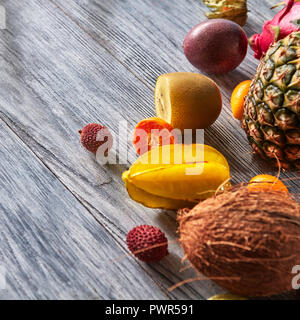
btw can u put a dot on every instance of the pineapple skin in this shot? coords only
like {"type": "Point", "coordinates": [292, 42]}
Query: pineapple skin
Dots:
{"type": "Point", "coordinates": [271, 116]}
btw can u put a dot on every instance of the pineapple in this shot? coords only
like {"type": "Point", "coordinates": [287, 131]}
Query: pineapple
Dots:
{"type": "Point", "coordinates": [271, 116]}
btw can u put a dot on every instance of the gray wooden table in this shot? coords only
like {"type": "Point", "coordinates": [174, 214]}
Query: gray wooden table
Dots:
{"type": "Point", "coordinates": [64, 218]}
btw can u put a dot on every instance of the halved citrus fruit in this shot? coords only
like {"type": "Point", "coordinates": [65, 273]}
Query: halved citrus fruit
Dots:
{"type": "Point", "coordinates": [152, 132]}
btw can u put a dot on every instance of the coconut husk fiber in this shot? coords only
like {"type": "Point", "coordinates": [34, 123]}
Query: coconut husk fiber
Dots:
{"type": "Point", "coordinates": [246, 241]}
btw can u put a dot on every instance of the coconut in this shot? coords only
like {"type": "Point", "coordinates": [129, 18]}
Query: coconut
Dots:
{"type": "Point", "coordinates": [246, 241]}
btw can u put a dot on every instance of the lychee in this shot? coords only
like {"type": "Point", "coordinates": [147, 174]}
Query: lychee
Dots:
{"type": "Point", "coordinates": [94, 135]}
{"type": "Point", "coordinates": [147, 243]}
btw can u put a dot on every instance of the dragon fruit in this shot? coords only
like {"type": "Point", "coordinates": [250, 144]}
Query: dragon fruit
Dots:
{"type": "Point", "coordinates": [285, 22]}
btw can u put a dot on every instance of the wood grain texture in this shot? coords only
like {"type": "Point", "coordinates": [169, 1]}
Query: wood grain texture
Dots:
{"type": "Point", "coordinates": [59, 79]}
{"type": "Point", "coordinates": [67, 63]}
{"type": "Point", "coordinates": [147, 36]}
{"type": "Point", "coordinates": [51, 247]}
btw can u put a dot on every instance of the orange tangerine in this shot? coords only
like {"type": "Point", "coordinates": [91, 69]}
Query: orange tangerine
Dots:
{"type": "Point", "coordinates": [265, 182]}
{"type": "Point", "coordinates": [237, 99]}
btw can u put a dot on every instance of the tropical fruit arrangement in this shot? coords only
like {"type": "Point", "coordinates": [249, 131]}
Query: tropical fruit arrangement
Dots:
{"type": "Point", "coordinates": [244, 237]}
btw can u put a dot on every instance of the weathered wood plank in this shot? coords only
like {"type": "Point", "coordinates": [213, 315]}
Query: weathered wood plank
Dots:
{"type": "Point", "coordinates": [146, 37]}
{"type": "Point", "coordinates": [55, 79]}
{"type": "Point", "coordinates": [50, 246]}
{"type": "Point", "coordinates": [59, 78]}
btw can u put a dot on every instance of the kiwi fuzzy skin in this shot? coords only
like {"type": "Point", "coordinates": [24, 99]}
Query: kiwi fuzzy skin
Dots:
{"type": "Point", "coordinates": [246, 241]}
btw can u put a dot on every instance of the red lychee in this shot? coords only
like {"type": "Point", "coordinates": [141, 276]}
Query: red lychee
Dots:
{"type": "Point", "coordinates": [94, 135]}
{"type": "Point", "coordinates": [142, 237]}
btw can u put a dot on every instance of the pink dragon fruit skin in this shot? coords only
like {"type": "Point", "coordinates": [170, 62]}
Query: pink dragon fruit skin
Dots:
{"type": "Point", "coordinates": [284, 23]}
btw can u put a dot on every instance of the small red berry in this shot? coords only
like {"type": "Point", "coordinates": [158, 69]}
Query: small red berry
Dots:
{"type": "Point", "coordinates": [142, 237]}
{"type": "Point", "coordinates": [94, 135]}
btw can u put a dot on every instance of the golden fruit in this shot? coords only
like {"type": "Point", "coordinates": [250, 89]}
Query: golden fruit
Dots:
{"type": "Point", "coordinates": [187, 100]}
{"type": "Point", "coordinates": [238, 97]}
{"type": "Point", "coordinates": [265, 182]}
{"type": "Point", "coordinates": [176, 176]}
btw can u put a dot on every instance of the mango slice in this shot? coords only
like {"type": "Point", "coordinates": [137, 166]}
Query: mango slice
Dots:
{"type": "Point", "coordinates": [176, 176]}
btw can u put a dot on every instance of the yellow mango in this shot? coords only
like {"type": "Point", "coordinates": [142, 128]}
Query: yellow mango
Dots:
{"type": "Point", "coordinates": [176, 176]}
